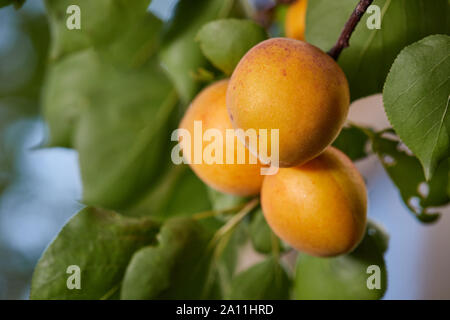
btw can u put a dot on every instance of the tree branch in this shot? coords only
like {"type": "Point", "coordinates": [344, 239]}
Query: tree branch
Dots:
{"type": "Point", "coordinates": [343, 41]}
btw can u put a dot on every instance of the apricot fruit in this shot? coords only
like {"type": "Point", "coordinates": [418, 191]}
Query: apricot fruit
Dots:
{"type": "Point", "coordinates": [209, 107]}
{"type": "Point", "coordinates": [296, 20]}
{"type": "Point", "coordinates": [294, 87]}
{"type": "Point", "coordinates": [318, 208]}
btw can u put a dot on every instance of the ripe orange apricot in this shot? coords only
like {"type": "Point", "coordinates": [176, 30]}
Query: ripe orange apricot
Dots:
{"type": "Point", "coordinates": [296, 20]}
{"type": "Point", "coordinates": [292, 86]}
{"type": "Point", "coordinates": [209, 107]}
{"type": "Point", "coordinates": [318, 208]}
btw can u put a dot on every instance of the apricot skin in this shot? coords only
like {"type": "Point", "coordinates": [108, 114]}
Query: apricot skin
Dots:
{"type": "Point", "coordinates": [318, 208]}
{"type": "Point", "coordinates": [296, 20]}
{"type": "Point", "coordinates": [210, 108]}
{"type": "Point", "coordinates": [292, 86]}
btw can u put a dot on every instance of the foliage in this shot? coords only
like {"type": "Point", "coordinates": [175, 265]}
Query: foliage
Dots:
{"type": "Point", "coordinates": [421, 94]}
{"type": "Point", "coordinates": [238, 36]}
{"type": "Point", "coordinates": [177, 268]}
{"type": "Point", "coordinates": [152, 230]}
{"type": "Point", "coordinates": [23, 56]}
{"type": "Point", "coordinates": [180, 55]}
{"type": "Point", "coordinates": [17, 3]}
{"type": "Point", "coordinates": [371, 53]}
{"type": "Point", "coordinates": [267, 280]}
{"type": "Point", "coordinates": [352, 141]}
{"type": "Point", "coordinates": [261, 236]}
{"type": "Point", "coordinates": [419, 195]}
{"type": "Point", "coordinates": [101, 243]}
{"type": "Point", "coordinates": [344, 277]}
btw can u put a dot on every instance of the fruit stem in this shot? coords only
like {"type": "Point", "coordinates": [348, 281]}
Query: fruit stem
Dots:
{"type": "Point", "coordinates": [343, 41]}
{"type": "Point", "coordinates": [213, 213]}
{"type": "Point", "coordinates": [234, 221]}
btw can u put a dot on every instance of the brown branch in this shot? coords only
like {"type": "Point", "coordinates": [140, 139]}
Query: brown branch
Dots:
{"type": "Point", "coordinates": [343, 41]}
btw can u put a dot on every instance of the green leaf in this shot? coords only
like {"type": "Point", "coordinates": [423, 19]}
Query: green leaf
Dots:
{"type": "Point", "coordinates": [68, 91]}
{"type": "Point", "coordinates": [227, 261]}
{"type": "Point", "coordinates": [223, 201]}
{"type": "Point", "coordinates": [352, 141]}
{"type": "Point", "coordinates": [102, 22]}
{"type": "Point", "coordinates": [417, 99]}
{"type": "Point", "coordinates": [378, 236]}
{"type": "Point", "coordinates": [181, 55]}
{"type": "Point", "coordinates": [123, 140]}
{"type": "Point", "coordinates": [17, 3]}
{"type": "Point", "coordinates": [344, 277]}
{"type": "Point", "coordinates": [178, 192]}
{"type": "Point", "coordinates": [235, 36]}
{"type": "Point", "coordinates": [100, 243]}
{"type": "Point", "coordinates": [136, 43]}
{"type": "Point", "coordinates": [82, 59]}
{"type": "Point", "coordinates": [176, 268]}
{"type": "Point", "coordinates": [28, 48]}
{"type": "Point", "coordinates": [267, 280]}
{"type": "Point", "coordinates": [262, 237]}
{"type": "Point", "coordinates": [107, 96]}
{"type": "Point", "coordinates": [371, 53]}
{"type": "Point", "coordinates": [406, 172]}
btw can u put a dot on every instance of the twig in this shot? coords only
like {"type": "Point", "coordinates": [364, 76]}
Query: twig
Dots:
{"type": "Point", "coordinates": [234, 221]}
{"type": "Point", "coordinates": [343, 41]}
{"type": "Point", "coordinates": [213, 213]}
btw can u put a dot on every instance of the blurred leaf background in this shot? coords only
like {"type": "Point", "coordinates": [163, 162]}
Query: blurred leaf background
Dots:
{"type": "Point", "coordinates": [40, 188]}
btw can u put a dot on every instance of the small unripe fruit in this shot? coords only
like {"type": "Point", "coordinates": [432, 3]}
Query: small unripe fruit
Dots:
{"type": "Point", "coordinates": [209, 107]}
{"type": "Point", "coordinates": [318, 208]}
{"type": "Point", "coordinates": [292, 86]}
{"type": "Point", "coordinates": [296, 20]}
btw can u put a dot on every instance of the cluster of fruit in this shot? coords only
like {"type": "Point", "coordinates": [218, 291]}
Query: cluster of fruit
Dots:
{"type": "Point", "coordinates": [317, 201]}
